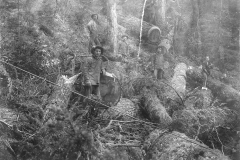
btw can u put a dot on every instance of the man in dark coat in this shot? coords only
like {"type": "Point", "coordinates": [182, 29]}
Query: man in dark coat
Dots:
{"type": "Point", "coordinates": [158, 61]}
{"type": "Point", "coordinates": [92, 68]}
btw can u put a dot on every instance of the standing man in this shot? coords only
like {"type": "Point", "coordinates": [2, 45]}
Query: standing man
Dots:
{"type": "Point", "coordinates": [206, 66]}
{"type": "Point", "coordinates": [158, 62]}
{"type": "Point", "coordinates": [92, 27]}
{"type": "Point", "coordinates": [123, 48]}
{"type": "Point", "coordinates": [92, 68]}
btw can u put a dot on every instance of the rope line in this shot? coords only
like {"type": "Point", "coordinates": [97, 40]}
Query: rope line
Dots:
{"type": "Point", "coordinates": [79, 94]}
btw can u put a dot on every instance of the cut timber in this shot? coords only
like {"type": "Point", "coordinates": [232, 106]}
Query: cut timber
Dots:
{"type": "Point", "coordinates": [132, 24]}
{"type": "Point", "coordinates": [194, 122]}
{"type": "Point", "coordinates": [178, 84]}
{"type": "Point", "coordinates": [224, 92]}
{"type": "Point", "coordinates": [154, 109]}
{"type": "Point", "coordinates": [199, 99]}
{"type": "Point", "coordinates": [175, 146]}
{"type": "Point", "coordinates": [110, 89]}
{"type": "Point", "coordinates": [125, 109]}
{"type": "Point", "coordinates": [57, 106]}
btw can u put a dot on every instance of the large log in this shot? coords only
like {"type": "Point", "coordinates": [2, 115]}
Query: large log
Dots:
{"type": "Point", "coordinates": [178, 81]}
{"type": "Point", "coordinates": [199, 99]}
{"type": "Point", "coordinates": [154, 109]}
{"type": "Point", "coordinates": [125, 109]}
{"type": "Point", "coordinates": [57, 105]}
{"type": "Point", "coordinates": [195, 122]}
{"type": "Point", "coordinates": [226, 93]}
{"type": "Point", "coordinates": [133, 25]}
{"type": "Point", "coordinates": [176, 146]}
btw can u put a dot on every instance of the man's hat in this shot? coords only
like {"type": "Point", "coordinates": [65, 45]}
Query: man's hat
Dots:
{"type": "Point", "coordinates": [97, 47]}
{"type": "Point", "coordinates": [165, 43]}
{"type": "Point", "coordinates": [94, 15]}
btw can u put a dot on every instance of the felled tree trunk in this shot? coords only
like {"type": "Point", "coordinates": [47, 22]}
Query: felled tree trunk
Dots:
{"type": "Point", "coordinates": [224, 92]}
{"type": "Point", "coordinates": [57, 106]}
{"type": "Point", "coordinates": [194, 122]}
{"type": "Point", "coordinates": [176, 146]}
{"type": "Point", "coordinates": [133, 25]}
{"type": "Point", "coordinates": [125, 109]}
{"type": "Point", "coordinates": [199, 99]}
{"type": "Point", "coordinates": [154, 109]}
{"type": "Point", "coordinates": [178, 81]}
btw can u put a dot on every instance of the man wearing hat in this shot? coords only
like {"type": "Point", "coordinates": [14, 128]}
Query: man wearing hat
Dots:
{"type": "Point", "coordinates": [123, 48]}
{"type": "Point", "coordinates": [92, 68]}
{"type": "Point", "coordinates": [92, 27]}
{"type": "Point", "coordinates": [158, 61]}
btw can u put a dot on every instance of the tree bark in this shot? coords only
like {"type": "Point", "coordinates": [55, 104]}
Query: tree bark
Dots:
{"type": "Point", "coordinates": [175, 146]}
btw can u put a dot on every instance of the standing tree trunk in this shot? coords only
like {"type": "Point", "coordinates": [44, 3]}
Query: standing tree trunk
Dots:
{"type": "Point", "coordinates": [196, 18]}
{"type": "Point", "coordinates": [114, 27]}
{"type": "Point", "coordinates": [163, 11]}
{"type": "Point", "coordinates": [110, 7]}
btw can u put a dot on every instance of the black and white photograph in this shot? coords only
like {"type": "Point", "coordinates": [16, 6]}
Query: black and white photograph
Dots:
{"type": "Point", "coordinates": [119, 79]}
